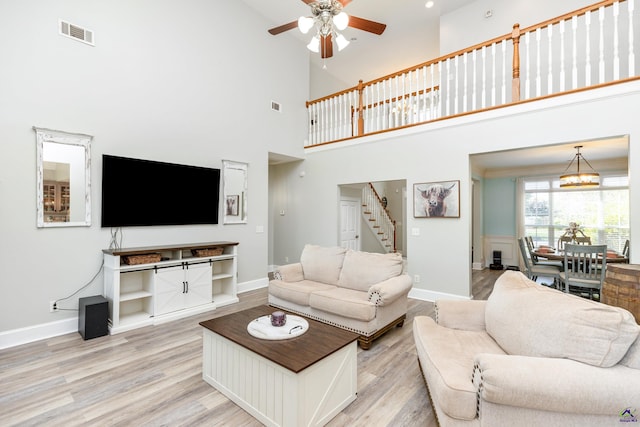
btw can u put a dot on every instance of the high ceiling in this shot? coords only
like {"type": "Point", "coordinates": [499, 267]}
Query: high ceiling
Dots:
{"type": "Point", "coordinates": [411, 36]}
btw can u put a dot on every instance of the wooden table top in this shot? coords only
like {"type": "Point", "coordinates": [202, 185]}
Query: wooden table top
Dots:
{"type": "Point", "coordinates": [295, 354]}
{"type": "Point", "coordinates": [559, 256]}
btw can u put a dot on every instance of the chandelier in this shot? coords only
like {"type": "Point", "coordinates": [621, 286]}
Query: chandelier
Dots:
{"type": "Point", "coordinates": [327, 18]}
{"type": "Point", "coordinates": [579, 179]}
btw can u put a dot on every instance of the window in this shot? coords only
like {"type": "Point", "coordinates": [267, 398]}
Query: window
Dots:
{"type": "Point", "coordinates": [602, 212]}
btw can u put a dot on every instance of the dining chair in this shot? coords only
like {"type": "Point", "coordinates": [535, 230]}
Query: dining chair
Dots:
{"type": "Point", "coordinates": [625, 250]}
{"type": "Point", "coordinates": [533, 271]}
{"type": "Point", "coordinates": [583, 240]}
{"type": "Point", "coordinates": [584, 268]}
{"type": "Point", "coordinates": [563, 240]}
{"type": "Point", "coordinates": [535, 259]}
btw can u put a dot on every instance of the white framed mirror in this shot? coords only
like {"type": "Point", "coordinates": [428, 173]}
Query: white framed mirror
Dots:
{"type": "Point", "coordinates": [234, 199]}
{"type": "Point", "coordinates": [64, 179]}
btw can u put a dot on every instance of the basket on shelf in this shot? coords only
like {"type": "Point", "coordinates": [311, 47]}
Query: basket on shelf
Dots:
{"type": "Point", "coordinates": [207, 252]}
{"type": "Point", "coordinates": [141, 259]}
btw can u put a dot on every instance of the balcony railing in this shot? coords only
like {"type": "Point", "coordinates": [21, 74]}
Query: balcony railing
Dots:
{"type": "Point", "coordinates": [584, 49]}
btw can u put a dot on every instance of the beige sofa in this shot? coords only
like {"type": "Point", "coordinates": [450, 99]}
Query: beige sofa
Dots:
{"type": "Point", "coordinates": [359, 291]}
{"type": "Point", "coordinates": [532, 356]}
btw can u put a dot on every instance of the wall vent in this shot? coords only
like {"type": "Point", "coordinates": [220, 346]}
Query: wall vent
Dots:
{"type": "Point", "coordinates": [75, 32]}
{"type": "Point", "coordinates": [275, 106]}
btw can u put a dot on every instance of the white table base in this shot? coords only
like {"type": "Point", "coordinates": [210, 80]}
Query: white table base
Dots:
{"type": "Point", "coordinates": [275, 395]}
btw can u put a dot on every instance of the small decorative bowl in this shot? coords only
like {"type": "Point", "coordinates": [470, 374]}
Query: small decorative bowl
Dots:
{"type": "Point", "coordinates": [278, 318]}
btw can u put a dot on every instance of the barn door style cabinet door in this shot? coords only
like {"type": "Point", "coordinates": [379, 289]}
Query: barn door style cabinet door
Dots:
{"type": "Point", "coordinates": [181, 287]}
{"type": "Point", "coordinates": [169, 283]}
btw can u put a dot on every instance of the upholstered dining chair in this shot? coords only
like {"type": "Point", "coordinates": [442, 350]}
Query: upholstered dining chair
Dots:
{"type": "Point", "coordinates": [533, 271]}
{"type": "Point", "coordinates": [584, 268]}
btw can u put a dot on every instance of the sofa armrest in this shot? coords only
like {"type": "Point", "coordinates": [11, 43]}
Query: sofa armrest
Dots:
{"type": "Point", "coordinates": [553, 384]}
{"type": "Point", "coordinates": [467, 315]}
{"type": "Point", "coordinates": [390, 290]}
{"type": "Point", "coordinates": [290, 272]}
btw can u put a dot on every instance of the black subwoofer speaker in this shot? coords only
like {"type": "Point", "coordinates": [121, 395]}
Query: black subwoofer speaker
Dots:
{"type": "Point", "coordinates": [93, 317]}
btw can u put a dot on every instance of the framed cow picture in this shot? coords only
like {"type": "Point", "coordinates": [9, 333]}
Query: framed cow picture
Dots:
{"type": "Point", "coordinates": [436, 199]}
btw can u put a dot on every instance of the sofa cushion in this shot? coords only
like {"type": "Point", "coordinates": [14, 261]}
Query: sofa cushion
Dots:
{"type": "Point", "coordinates": [296, 292]}
{"type": "Point", "coordinates": [322, 264]}
{"type": "Point", "coordinates": [344, 302]}
{"type": "Point", "coordinates": [361, 270]}
{"type": "Point", "coordinates": [632, 358]}
{"type": "Point", "coordinates": [532, 320]}
{"type": "Point", "coordinates": [447, 358]}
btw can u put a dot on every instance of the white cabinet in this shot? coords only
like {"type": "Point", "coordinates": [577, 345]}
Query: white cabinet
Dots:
{"type": "Point", "coordinates": [175, 284]}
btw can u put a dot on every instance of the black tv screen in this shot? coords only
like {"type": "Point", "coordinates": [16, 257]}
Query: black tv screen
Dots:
{"type": "Point", "coordinates": [138, 192]}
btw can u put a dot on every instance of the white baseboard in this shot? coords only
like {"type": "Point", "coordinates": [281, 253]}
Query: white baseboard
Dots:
{"type": "Point", "coordinates": [33, 333]}
{"type": "Point", "coordinates": [426, 295]}
{"type": "Point", "coordinates": [43, 331]}
{"type": "Point", "coordinates": [253, 285]}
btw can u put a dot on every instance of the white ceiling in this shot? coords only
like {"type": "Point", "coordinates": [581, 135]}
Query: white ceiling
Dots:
{"type": "Point", "coordinates": [411, 37]}
{"type": "Point", "coordinates": [596, 150]}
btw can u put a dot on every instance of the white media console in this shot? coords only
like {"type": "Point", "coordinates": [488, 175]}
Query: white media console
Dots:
{"type": "Point", "coordinates": [179, 281]}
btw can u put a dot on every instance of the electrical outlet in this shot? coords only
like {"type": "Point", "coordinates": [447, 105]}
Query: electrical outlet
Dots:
{"type": "Point", "coordinates": [416, 278]}
{"type": "Point", "coordinates": [52, 306]}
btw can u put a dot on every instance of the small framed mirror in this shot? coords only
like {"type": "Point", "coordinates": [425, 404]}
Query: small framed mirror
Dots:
{"type": "Point", "coordinates": [64, 179]}
{"type": "Point", "coordinates": [234, 197]}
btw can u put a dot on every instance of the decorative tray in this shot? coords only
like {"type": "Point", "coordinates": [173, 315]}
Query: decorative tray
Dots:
{"type": "Point", "coordinates": [262, 328]}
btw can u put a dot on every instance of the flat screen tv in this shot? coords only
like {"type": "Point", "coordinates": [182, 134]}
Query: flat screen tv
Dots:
{"type": "Point", "coordinates": [138, 192]}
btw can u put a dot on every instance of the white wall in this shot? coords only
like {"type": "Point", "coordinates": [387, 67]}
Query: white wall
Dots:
{"type": "Point", "coordinates": [440, 254]}
{"type": "Point", "coordinates": [168, 81]}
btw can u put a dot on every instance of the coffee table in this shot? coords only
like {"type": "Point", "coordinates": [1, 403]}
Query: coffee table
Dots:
{"type": "Point", "coordinates": [302, 381]}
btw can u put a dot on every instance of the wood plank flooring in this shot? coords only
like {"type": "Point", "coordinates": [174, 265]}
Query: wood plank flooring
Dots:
{"type": "Point", "coordinates": [153, 377]}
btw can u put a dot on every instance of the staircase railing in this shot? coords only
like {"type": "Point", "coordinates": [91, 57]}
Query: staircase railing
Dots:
{"type": "Point", "coordinates": [584, 49]}
{"type": "Point", "coordinates": [383, 226]}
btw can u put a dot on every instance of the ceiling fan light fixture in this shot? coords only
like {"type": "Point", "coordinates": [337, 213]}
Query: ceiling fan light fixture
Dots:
{"type": "Point", "coordinates": [579, 179]}
{"type": "Point", "coordinates": [341, 42]}
{"type": "Point", "coordinates": [314, 44]}
{"type": "Point", "coordinates": [341, 21]}
{"type": "Point", "coordinates": [305, 23]}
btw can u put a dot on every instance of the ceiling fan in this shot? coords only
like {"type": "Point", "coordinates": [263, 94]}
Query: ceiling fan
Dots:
{"type": "Point", "coordinates": [327, 16]}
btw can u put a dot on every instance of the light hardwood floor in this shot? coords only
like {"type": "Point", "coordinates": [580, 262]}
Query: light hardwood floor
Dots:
{"type": "Point", "coordinates": [153, 377]}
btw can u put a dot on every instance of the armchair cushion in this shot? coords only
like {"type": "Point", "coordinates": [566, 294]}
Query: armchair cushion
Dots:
{"type": "Point", "coordinates": [363, 269]}
{"type": "Point", "coordinates": [566, 326]}
{"type": "Point", "coordinates": [322, 264]}
{"type": "Point", "coordinates": [290, 272]}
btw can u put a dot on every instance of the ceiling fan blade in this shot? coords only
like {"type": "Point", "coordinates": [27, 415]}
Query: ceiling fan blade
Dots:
{"type": "Point", "coordinates": [366, 25]}
{"type": "Point", "coordinates": [344, 2]}
{"type": "Point", "coordinates": [326, 46]}
{"type": "Point", "coordinates": [283, 28]}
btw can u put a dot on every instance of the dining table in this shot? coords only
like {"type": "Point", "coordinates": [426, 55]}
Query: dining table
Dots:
{"type": "Point", "coordinates": [559, 256]}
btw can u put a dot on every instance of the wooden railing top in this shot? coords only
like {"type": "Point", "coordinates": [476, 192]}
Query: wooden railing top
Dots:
{"type": "Point", "coordinates": [516, 31]}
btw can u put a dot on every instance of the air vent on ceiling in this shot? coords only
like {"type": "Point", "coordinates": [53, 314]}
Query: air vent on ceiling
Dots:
{"type": "Point", "coordinates": [275, 106]}
{"type": "Point", "coordinates": [77, 33]}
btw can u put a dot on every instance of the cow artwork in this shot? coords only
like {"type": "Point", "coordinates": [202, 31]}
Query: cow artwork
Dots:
{"type": "Point", "coordinates": [437, 199]}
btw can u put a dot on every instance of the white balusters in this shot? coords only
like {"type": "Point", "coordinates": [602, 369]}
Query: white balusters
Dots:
{"type": "Point", "coordinates": [601, 46]}
{"type": "Point", "coordinates": [538, 61]}
{"type": "Point", "coordinates": [504, 71]}
{"type": "Point", "coordinates": [493, 77]}
{"type": "Point", "coordinates": [550, 59]}
{"type": "Point", "coordinates": [574, 53]}
{"type": "Point", "coordinates": [587, 63]}
{"type": "Point", "coordinates": [562, 71]}
{"type": "Point", "coordinates": [527, 66]}
{"type": "Point", "coordinates": [475, 80]}
{"type": "Point", "coordinates": [483, 98]}
{"type": "Point", "coordinates": [632, 57]}
{"type": "Point", "coordinates": [616, 47]}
